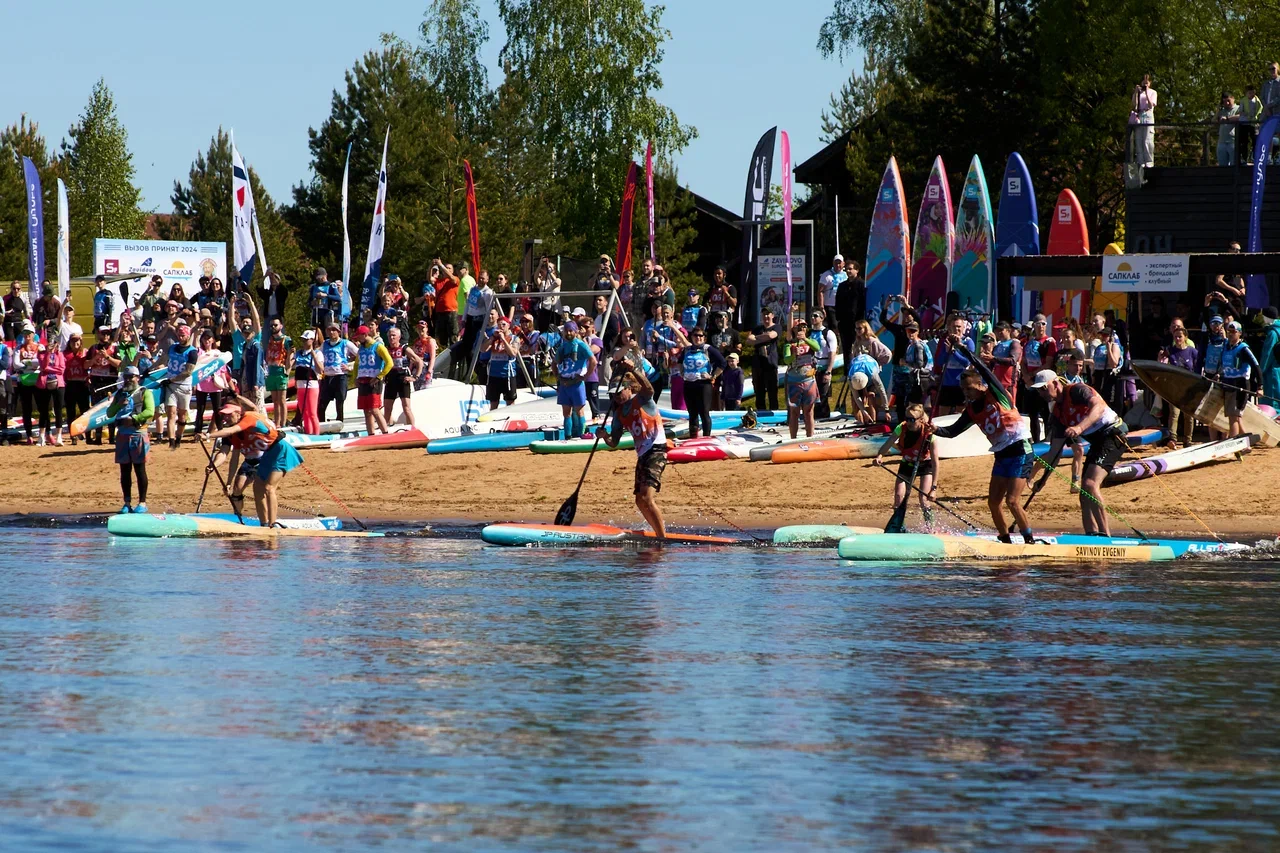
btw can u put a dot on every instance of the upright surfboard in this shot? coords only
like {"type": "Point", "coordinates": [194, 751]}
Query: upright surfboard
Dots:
{"type": "Point", "coordinates": [1068, 235]}
{"type": "Point", "coordinates": [1102, 302]}
{"type": "Point", "coordinates": [1018, 229]}
{"type": "Point", "coordinates": [973, 274]}
{"type": "Point", "coordinates": [887, 249]}
{"type": "Point", "coordinates": [931, 254]}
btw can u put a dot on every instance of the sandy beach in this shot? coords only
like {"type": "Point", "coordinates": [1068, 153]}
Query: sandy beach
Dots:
{"type": "Point", "coordinates": [409, 486]}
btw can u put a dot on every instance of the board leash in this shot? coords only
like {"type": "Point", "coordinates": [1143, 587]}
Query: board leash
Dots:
{"type": "Point", "coordinates": [334, 497]}
{"type": "Point", "coordinates": [1053, 470]}
{"type": "Point", "coordinates": [1159, 479]}
{"type": "Point", "coordinates": [717, 512]}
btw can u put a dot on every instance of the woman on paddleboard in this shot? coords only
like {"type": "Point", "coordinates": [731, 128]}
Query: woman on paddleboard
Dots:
{"type": "Point", "coordinates": [130, 408]}
{"type": "Point", "coordinates": [914, 440]}
{"type": "Point", "coordinates": [988, 405]}
{"type": "Point", "coordinates": [267, 457]}
{"type": "Point", "coordinates": [635, 411]}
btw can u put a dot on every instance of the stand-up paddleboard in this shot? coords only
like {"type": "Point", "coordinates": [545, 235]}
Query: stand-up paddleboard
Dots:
{"type": "Point", "coordinates": [1204, 399]}
{"type": "Point", "coordinates": [828, 449]}
{"type": "Point", "coordinates": [1178, 460]}
{"type": "Point", "coordinates": [303, 440]}
{"type": "Point", "coordinates": [400, 437]}
{"type": "Point", "coordinates": [156, 526]}
{"type": "Point", "coordinates": [973, 271]}
{"type": "Point", "coordinates": [1137, 438]}
{"type": "Point", "coordinates": [765, 454]}
{"type": "Point", "coordinates": [732, 446]}
{"type": "Point", "coordinates": [818, 534]}
{"type": "Point", "coordinates": [888, 248]}
{"type": "Point", "coordinates": [931, 252]}
{"type": "Point", "coordinates": [1179, 547]}
{"type": "Point", "coordinates": [588, 534]}
{"type": "Point", "coordinates": [1018, 229]}
{"type": "Point", "coordinates": [1068, 235]}
{"type": "Point", "coordinates": [917, 547]}
{"type": "Point", "coordinates": [486, 441]}
{"type": "Point", "coordinates": [97, 415]}
{"type": "Point", "coordinates": [1103, 301]}
{"type": "Point", "coordinates": [327, 522]}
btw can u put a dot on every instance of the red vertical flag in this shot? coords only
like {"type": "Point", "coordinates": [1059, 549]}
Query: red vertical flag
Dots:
{"type": "Point", "coordinates": [473, 218]}
{"type": "Point", "coordinates": [624, 222]}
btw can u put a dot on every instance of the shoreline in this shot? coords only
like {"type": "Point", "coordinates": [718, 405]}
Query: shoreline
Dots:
{"type": "Point", "coordinates": [408, 487]}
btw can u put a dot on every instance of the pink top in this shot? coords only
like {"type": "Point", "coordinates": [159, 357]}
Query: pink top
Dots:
{"type": "Point", "coordinates": [53, 368]}
{"type": "Point", "coordinates": [218, 380]}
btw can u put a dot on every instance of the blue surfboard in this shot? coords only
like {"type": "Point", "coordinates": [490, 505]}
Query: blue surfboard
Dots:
{"type": "Point", "coordinates": [1018, 229]}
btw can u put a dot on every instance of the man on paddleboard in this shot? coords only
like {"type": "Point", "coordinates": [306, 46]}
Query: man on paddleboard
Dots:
{"type": "Point", "coordinates": [1080, 412]}
{"type": "Point", "coordinates": [635, 411]}
{"type": "Point", "coordinates": [130, 408]}
{"type": "Point", "coordinates": [988, 405]}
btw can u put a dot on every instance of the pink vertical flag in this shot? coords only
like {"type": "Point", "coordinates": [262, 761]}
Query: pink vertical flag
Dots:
{"type": "Point", "coordinates": [648, 176]}
{"type": "Point", "coordinates": [786, 212]}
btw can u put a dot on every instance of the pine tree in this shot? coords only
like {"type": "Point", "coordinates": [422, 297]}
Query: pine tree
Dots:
{"type": "Point", "coordinates": [17, 141]}
{"type": "Point", "coordinates": [103, 200]}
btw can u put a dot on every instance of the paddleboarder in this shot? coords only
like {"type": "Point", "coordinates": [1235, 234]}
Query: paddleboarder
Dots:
{"type": "Point", "coordinates": [635, 411]}
{"type": "Point", "coordinates": [914, 440]}
{"type": "Point", "coordinates": [800, 353]}
{"type": "Point", "coordinates": [130, 408]}
{"type": "Point", "coordinates": [1240, 371]}
{"type": "Point", "coordinates": [180, 364]}
{"type": "Point", "coordinates": [373, 364]}
{"type": "Point", "coordinates": [1080, 412]}
{"type": "Point", "coordinates": [263, 455]}
{"type": "Point", "coordinates": [574, 360]}
{"type": "Point", "coordinates": [988, 405]}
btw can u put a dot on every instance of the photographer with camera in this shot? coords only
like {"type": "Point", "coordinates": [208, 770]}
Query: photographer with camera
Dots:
{"type": "Point", "coordinates": [547, 282]}
{"type": "Point", "coordinates": [479, 301]}
{"type": "Point", "coordinates": [446, 301]}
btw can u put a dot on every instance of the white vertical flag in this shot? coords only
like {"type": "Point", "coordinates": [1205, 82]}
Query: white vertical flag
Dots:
{"type": "Point", "coordinates": [64, 241]}
{"type": "Point", "coordinates": [377, 234]}
{"type": "Point", "coordinates": [346, 241]}
{"type": "Point", "coordinates": [244, 252]}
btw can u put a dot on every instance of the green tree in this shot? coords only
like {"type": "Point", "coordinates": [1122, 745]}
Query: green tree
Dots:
{"type": "Point", "coordinates": [17, 141]}
{"type": "Point", "coordinates": [202, 211]}
{"type": "Point", "coordinates": [452, 33]}
{"type": "Point", "coordinates": [592, 72]}
{"type": "Point", "coordinates": [674, 218]}
{"type": "Point", "coordinates": [101, 195]}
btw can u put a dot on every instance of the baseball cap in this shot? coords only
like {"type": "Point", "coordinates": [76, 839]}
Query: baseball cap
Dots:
{"type": "Point", "coordinates": [231, 407]}
{"type": "Point", "coordinates": [183, 324]}
{"type": "Point", "coordinates": [131, 371]}
{"type": "Point", "coordinates": [1271, 313]}
{"type": "Point", "coordinates": [838, 257]}
{"type": "Point", "coordinates": [571, 326]}
{"type": "Point", "coordinates": [362, 330]}
{"type": "Point", "coordinates": [320, 271]}
{"type": "Point", "coordinates": [912, 325]}
{"type": "Point", "coordinates": [988, 336]}
{"type": "Point", "coordinates": [99, 279]}
{"type": "Point", "coordinates": [309, 335]}
{"type": "Point", "coordinates": [579, 311]}
{"type": "Point", "coordinates": [101, 329]}
{"type": "Point", "coordinates": [733, 356]}
{"type": "Point", "coordinates": [1043, 378]}
{"type": "Point", "coordinates": [393, 277]}
{"type": "Point", "coordinates": [1215, 318]}
{"type": "Point", "coordinates": [1234, 326]}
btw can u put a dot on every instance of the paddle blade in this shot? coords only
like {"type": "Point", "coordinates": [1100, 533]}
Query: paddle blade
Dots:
{"type": "Point", "coordinates": [897, 521]}
{"type": "Point", "coordinates": [568, 509]}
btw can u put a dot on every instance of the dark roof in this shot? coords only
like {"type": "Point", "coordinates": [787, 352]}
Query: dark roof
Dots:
{"type": "Point", "coordinates": [705, 205]}
{"type": "Point", "coordinates": [827, 164]}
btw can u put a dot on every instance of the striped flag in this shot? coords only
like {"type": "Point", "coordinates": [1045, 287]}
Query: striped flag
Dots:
{"type": "Point", "coordinates": [244, 252]}
{"type": "Point", "coordinates": [64, 240]}
{"type": "Point", "coordinates": [346, 242]}
{"type": "Point", "coordinates": [624, 220]}
{"type": "Point", "coordinates": [377, 236]}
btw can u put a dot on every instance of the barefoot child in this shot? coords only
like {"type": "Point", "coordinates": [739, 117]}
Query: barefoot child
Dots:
{"type": "Point", "coordinates": [914, 440]}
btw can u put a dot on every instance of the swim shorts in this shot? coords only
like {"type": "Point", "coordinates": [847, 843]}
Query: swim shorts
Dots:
{"type": "Point", "coordinates": [369, 394]}
{"type": "Point", "coordinates": [649, 470]}
{"type": "Point", "coordinates": [132, 449]}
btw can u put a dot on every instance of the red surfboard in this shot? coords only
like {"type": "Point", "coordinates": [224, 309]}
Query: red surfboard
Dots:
{"type": "Point", "coordinates": [1068, 235]}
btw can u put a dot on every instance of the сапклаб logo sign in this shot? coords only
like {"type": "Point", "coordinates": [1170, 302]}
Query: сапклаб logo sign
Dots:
{"type": "Point", "coordinates": [1125, 274]}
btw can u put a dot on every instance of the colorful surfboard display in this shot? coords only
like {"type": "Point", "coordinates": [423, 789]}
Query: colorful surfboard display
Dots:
{"type": "Point", "coordinates": [1018, 229]}
{"type": "Point", "coordinates": [887, 250]}
{"type": "Point", "coordinates": [1103, 302]}
{"type": "Point", "coordinates": [973, 273]}
{"type": "Point", "coordinates": [1068, 235]}
{"type": "Point", "coordinates": [932, 252]}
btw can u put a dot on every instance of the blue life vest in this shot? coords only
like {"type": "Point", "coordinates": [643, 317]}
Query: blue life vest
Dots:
{"type": "Point", "coordinates": [696, 364]}
{"type": "Point", "coordinates": [304, 364]}
{"type": "Point", "coordinates": [863, 363]}
{"type": "Point", "coordinates": [1031, 352]}
{"type": "Point", "coordinates": [1213, 355]}
{"type": "Point", "coordinates": [178, 356]}
{"type": "Point", "coordinates": [1234, 364]}
{"type": "Point", "coordinates": [1100, 357]}
{"type": "Point", "coordinates": [335, 355]}
{"type": "Point", "coordinates": [370, 364]}
{"type": "Point", "coordinates": [692, 316]}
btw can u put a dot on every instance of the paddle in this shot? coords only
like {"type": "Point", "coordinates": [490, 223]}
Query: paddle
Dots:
{"type": "Point", "coordinates": [200, 500]}
{"type": "Point", "coordinates": [225, 490]}
{"type": "Point", "coordinates": [1055, 452]}
{"type": "Point", "coordinates": [897, 521]}
{"type": "Point", "coordinates": [1085, 492]}
{"type": "Point", "coordinates": [936, 503]}
{"type": "Point", "coordinates": [569, 508]}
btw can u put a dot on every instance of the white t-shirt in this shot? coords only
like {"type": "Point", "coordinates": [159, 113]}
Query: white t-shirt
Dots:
{"type": "Point", "coordinates": [67, 331]}
{"type": "Point", "coordinates": [830, 282]}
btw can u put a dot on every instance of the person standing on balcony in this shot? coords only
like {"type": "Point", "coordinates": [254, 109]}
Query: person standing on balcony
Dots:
{"type": "Point", "coordinates": [1144, 133]}
{"type": "Point", "coordinates": [1247, 132]}
{"type": "Point", "coordinates": [1228, 120]}
{"type": "Point", "coordinates": [1270, 94]}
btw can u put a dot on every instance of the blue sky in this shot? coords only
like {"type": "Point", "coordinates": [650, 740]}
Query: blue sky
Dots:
{"type": "Point", "coordinates": [179, 70]}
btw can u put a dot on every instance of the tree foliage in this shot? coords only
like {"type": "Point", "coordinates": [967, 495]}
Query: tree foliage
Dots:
{"type": "Point", "coordinates": [17, 141]}
{"type": "Point", "coordinates": [101, 195]}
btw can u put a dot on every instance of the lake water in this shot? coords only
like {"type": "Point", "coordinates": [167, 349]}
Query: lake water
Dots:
{"type": "Point", "coordinates": [349, 695]}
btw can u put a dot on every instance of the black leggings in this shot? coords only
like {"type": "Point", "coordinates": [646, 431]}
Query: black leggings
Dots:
{"type": "Point", "coordinates": [697, 399]}
{"type": "Point", "coordinates": [77, 399]}
{"type": "Point", "coordinates": [202, 397]}
{"type": "Point", "coordinates": [126, 486]}
{"type": "Point", "coordinates": [46, 396]}
{"type": "Point", "coordinates": [26, 396]}
{"type": "Point", "coordinates": [765, 379]}
{"type": "Point", "coordinates": [103, 387]}
{"type": "Point", "coordinates": [332, 388]}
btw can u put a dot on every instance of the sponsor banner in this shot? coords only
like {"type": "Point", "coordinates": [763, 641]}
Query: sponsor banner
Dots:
{"type": "Point", "coordinates": [755, 201]}
{"type": "Point", "coordinates": [1145, 273]}
{"type": "Point", "coordinates": [772, 279]}
{"type": "Point", "coordinates": [377, 238]}
{"type": "Point", "coordinates": [35, 230]}
{"type": "Point", "coordinates": [1256, 293]}
{"type": "Point", "coordinates": [180, 262]}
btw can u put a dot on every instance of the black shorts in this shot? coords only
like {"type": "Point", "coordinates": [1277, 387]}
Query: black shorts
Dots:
{"type": "Point", "coordinates": [950, 395]}
{"type": "Point", "coordinates": [649, 470]}
{"type": "Point", "coordinates": [905, 468]}
{"type": "Point", "coordinates": [398, 386]}
{"type": "Point", "coordinates": [446, 325]}
{"type": "Point", "coordinates": [1105, 449]}
{"type": "Point", "coordinates": [500, 387]}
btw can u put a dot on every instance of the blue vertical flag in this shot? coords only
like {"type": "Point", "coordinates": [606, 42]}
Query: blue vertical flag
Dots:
{"type": "Point", "coordinates": [35, 231]}
{"type": "Point", "coordinates": [377, 236]}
